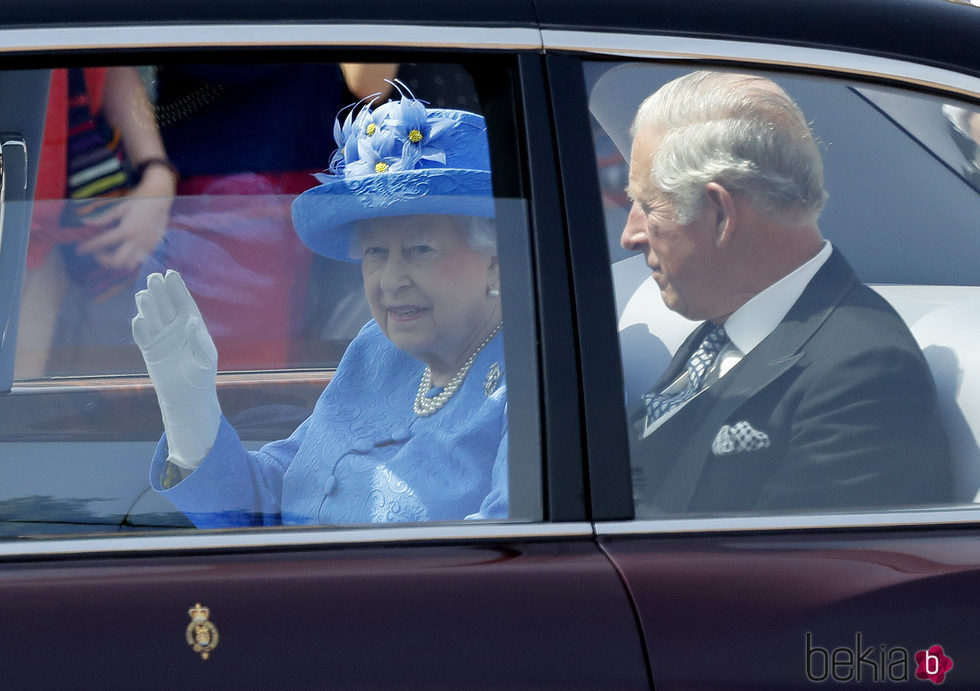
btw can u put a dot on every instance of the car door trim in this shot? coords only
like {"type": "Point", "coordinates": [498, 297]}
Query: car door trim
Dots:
{"type": "Point", "coordinates": [282, 538]}
{"type": "Point", "coordinates": [257, 35]}
{"type": "Point", "coordinates": [966, 514]}
{"type": "Point", "coordinates": [764, 54]}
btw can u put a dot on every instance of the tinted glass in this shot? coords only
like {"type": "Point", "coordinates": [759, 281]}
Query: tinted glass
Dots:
{"type": "Point", "coordinates": [194, 168]}
{"type": "Point", "coordinates": [900, 170]}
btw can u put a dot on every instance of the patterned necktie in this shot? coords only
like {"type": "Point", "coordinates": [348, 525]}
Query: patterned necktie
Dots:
{"type": "Point", "coordinates": [697, 367]}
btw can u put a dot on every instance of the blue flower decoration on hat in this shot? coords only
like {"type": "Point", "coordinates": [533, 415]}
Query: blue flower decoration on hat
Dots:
{"type": "Point", "coordinates": [398, 159]}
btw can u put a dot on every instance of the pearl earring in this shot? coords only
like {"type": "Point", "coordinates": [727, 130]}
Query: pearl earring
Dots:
{"type": "Point", "coordinates": [493, 292]}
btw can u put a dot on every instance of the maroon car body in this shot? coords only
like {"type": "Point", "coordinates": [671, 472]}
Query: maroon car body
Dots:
{"type": "Point", "coordinates": [97, 575]}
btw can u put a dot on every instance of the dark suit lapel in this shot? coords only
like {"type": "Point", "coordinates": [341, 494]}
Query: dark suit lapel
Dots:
{"type": "Point", "coordinates": [773, 357]}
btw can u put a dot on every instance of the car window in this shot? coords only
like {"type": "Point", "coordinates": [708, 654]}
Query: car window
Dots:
{"type": "Point", "coordinates": [207, 170]}
{"type": "Point", "coordinates": [774, 429]}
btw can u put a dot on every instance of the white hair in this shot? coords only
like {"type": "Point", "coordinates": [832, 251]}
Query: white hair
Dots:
{"type": "Point", "coordinates": [481, 234]}
{"type": "Point", "coordinates": [741, 131]}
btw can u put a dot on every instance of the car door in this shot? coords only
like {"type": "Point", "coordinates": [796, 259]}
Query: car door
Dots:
{"type": "Point", "coordinates": [786, 599]}
{"type": "Point", "coordinates": [102, 582]}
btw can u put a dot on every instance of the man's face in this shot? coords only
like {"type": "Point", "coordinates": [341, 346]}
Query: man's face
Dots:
{"type": "Point", "coordinates": [682, 257]}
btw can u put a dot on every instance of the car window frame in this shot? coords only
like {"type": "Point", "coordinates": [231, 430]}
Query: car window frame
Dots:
{"type": "Point", "coordinates": [605, 424]}
{"type": "Point", "coordinates": [131, 44]}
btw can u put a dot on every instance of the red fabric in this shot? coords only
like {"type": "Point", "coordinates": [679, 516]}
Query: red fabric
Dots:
{"type": "Point", "coordinates": [231, 237]}
{"type": "Point", "coordinates": [52, 170]}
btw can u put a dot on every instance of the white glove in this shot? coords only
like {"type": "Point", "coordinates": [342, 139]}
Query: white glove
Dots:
{"type": "Point", "coordinates": [183, 365]}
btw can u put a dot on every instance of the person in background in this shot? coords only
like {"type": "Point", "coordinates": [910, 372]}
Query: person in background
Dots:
{"type": "Point", "coordinates": [246, 139]}
{"type": "Point", "coordinates": [107, 247]}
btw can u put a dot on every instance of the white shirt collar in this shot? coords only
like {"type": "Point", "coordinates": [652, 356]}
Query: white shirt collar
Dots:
{"type": "Point", "coordinates": [752, 322]}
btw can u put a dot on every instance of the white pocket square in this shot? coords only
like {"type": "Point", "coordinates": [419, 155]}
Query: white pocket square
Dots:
{"type": "Point", "coordinates": [737, 438]}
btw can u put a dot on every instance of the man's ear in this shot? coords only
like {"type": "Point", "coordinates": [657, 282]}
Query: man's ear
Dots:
{"type": "Point", "coordinates": [722, 206]}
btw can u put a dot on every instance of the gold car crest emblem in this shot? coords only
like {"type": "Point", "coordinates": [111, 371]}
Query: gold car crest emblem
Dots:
{"type": "Point", "coordinates": [201, 634]}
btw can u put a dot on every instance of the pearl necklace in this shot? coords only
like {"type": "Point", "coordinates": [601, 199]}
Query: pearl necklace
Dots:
{"type": "Point", "coordinates": [427, 406]}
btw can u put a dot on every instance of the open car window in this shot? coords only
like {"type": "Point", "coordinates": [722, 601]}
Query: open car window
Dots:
{"type": "Point", "coordinates": [194, 168]}
{"type": "Point", "coordinates": [900, 169]}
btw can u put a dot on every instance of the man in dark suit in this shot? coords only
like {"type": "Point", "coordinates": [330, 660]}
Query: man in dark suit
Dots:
{"type": "Point", "coordinates": [803, 389]}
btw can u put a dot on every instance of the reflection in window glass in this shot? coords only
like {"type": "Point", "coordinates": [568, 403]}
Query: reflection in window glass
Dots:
{"type": "Point", "coordinates": [965, 126]}
{"type": "Point", "coordinates": [199, 164]}
{"type": "Point", "coordinates": [813, 394]}
{"type": "Point", "coordinates": [246, 235]}
{"type": "Point", "coordinates": [193, 168]}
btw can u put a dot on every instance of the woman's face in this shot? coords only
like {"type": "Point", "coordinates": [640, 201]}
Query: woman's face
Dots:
{"type": "Point", "coordinates": [428, 289]}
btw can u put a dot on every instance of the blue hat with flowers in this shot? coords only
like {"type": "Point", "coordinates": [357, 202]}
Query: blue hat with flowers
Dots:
{"type": "Point", "coordinates": [398, 159]}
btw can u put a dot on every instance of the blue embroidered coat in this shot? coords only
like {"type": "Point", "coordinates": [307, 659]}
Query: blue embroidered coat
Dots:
{"type": "Point", "coordinates": [363, 456]}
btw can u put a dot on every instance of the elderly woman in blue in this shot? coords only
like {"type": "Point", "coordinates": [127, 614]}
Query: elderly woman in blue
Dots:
{"type": "Point", "coordinates": [413, 425]}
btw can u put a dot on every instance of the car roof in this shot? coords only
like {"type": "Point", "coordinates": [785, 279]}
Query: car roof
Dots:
{"type": "Point", "coordinates": [938, 32]}
{"type": "Point", "coordinates": [72, 12]}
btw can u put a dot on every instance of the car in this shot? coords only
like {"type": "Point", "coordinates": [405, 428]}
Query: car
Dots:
{"type": "Point", "coordinates": [105, 583]}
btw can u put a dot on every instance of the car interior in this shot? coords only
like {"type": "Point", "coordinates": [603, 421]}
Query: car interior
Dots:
{"type": "Point", "coordinates": [77, 436]}
{"type": "Point", "coordinates": [887, 155]}
{"type": "Point", "coordinates": [884, 148]}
